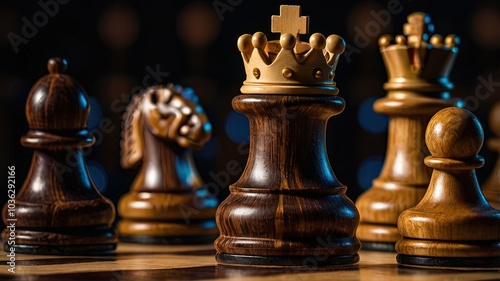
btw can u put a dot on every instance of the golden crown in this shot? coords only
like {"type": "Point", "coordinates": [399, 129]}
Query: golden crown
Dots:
{"type": "Point", "coordinates": [415, 61]}
{"type": "Point", "coordinates": [289, 66]}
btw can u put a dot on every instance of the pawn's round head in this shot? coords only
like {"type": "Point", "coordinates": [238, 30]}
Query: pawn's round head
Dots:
{"type": "Point", "coordinates": [454, 133]}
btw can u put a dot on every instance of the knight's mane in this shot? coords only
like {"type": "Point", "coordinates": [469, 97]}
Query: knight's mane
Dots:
{"type": "Point", "coordinates": [132, 143]}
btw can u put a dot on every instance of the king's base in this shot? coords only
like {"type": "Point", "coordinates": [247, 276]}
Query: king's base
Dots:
{"type": "Point", "coordinates": [168, 240]}
{"type": "Point", "coordinates": [378, 246]}
{"type": "Point", "coordinates": [306, 261]}
{"type": "Point", "coordinates": [378, 237]}
{"type": "Point", "coordinates": [449, 261]}
{"type": "Point", "coordinates": [60, 250]}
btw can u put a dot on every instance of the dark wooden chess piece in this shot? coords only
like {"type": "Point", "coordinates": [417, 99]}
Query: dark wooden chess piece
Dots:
{"type": "Point", "coordinates": [168, 202]}
{"type": "Point", "coordinates": [418, 87]}
{"type": "Point", "coordinates": [491, 188]}
{"type": "Point", "coordinates": [58, 209]}
{"type": "Point", "coordinates": [288, 208]}
{"type": "Point", "coordinates": [453, 225]}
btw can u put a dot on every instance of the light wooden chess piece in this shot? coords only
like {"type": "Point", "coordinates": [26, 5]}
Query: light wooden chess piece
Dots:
{"type": "Point", "coordinates": [58, 210]}
{"type": "Point", "coordinates": [453, 225]}
{"type": "Point", "coordinates": [418, 87]}
{"type": "Point", "coordinates": [491, 188]}
{"type": "Point", "coordinates": [288, 208]}
{"type": "Point", "coordinates": [168, 202]}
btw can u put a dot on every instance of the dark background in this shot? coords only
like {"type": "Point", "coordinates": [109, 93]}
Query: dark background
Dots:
{"type": "Point", "coordinates": [109, 46]}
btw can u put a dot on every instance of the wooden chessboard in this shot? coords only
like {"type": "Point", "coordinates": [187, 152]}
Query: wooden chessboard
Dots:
{"type": "Point", "coordinates": [152, 262]}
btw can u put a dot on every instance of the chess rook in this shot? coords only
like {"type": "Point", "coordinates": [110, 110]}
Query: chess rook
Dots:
{"type": "Point", "coordinates": [288, 207]}
{"type": "Point", "coordinates": [453, 225]}
{"type": "Point", "coordinates": [168, 202]}
{"type": "Point", "coordinates": [58, 209]}
{"type": "Point", "coordinates": [491, 188]}
{"type": "Point", "coordinates": [418, 87]}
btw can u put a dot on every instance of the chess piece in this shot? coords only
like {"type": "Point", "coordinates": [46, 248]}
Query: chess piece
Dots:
{"type": "Point", "coordinates": [453, 225]}
{"type": "Point", "coordinates": [288, 208]}
{"type": "Point", "coordinates": [418, 87]}
{"type": "Point", "coordinates": [491, 188]}
{"type": "Point", "coordinates": [168, 202]}
{"type": "Point", "coordinates": [58, 210]}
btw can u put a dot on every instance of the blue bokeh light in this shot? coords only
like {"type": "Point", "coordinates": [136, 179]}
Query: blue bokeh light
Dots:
{"type": "Point", "coordinates": [98, 175]}
{"type": "Point", "coordinates": [95, 115]}
{"type": "Point", "coordinates": [237, 127]}
{"type": "Point", "coordinates": [370, 120]}
{"type": "Point", "coordinates": [209, 149]}
{"type": "Point", "coordinates": [368, 170]}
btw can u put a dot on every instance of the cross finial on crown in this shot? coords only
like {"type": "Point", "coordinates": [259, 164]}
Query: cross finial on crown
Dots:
{"type": "Point", "coordinates": [417, 29]}
{"type": "Point", "coordinates": [290, 21]}
{"type": "Point", "coordinates": [289, 66]}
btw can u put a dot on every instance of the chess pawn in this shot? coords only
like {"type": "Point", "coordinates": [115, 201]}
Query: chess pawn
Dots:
{"type": "Point", "coordinates": [418, 87]}
{"type": "Point", "coordinates": [453, 225]}
{"type": "Point", "coordinates": [288, 208]}
{"type": "Point", "coordinates": [58, 210]}
{"type": "Point", "coordinates": [168, 202]}
{"type": "Point", "coordinates": [491, 188]}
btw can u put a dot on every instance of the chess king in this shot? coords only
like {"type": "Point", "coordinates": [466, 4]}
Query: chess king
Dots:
{"type": "Point", "coordinates": [168, 202]}
{"type": "Point", "coordinates": [418, 67]}
{"type": "Point", "coordinates": [288, 208]}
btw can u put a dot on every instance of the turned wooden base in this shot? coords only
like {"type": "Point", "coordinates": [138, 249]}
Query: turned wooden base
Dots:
{"type": "Point", "coordinates": [448, 261]}
{"type": "Point", "coordinates": [380, 207]}
{"type": "Point", "coordinates": [168, 232]}
{"type": "Point", "coordinates": [311, 260]}
{"type": "Point", "coordinates": [169, 240]}
{"type": "Point", "coordinates": [167, 218]}
{"type": "Point", "coordinates": [287, 208]}
{"type": "Point", "coordinates": [62, 241]}
{"type": "Point", "coordinates": [377, 246]}
{"type": "Point", "coordinates": [441, 248]}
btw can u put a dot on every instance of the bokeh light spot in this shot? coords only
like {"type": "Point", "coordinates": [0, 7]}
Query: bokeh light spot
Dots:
{"type": "Point", "coordinates": [198, 25]}
{"type": "Point", "coordinates": [237, 127]}
{"type": "Point", "coordinates": [119, 27]}
{"type": "Point", "coordinates": [368, 170]}
{"type": "Point", "coordinates": [95, 115]}
{"type": "Point", "coordinates": [370, 120]}
{"type": "Point", "coordinates": [98, 175]}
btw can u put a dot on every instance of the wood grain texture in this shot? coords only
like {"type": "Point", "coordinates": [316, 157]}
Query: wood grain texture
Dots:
{"type": "Point", "coordinates": [158, 262]}
{"type": "Point", "coordinates": [58, 209]}
{"type": "Point", "coordinates": [288, 201]}
{"type": "Point", "coordinates": [453, 219]}
{"type": "Point", "coordinates": [418, 69]}
{"type": "Point", "coordinates": [404, 178]}
{"type": "Point", "coordinates": [168, 201]}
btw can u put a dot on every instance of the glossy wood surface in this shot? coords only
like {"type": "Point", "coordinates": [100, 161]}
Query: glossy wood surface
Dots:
{"type": "Point", "coordinates": [158, 263]}
{"type": "Point", "coordinates": [168, 201]}
{"type": "Point", "coordinates": [404, 178]}
{"type": "Point", "coordinates": [453, 219]}
{"type": "Point", "coordinates": [418, 87]}
{"type": "Point", "coordinates": [288, 203]}
{"type": "Point", "coordinates": [58, 208]}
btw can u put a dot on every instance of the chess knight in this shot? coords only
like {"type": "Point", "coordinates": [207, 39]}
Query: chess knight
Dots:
{"type": "Point", "coordinates": [288, 208]}
{"type": "Point", "coordinates": [168, 202]}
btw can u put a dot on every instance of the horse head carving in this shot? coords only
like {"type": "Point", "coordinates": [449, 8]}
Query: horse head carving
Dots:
{"type": "Point", "coordinates": [169, 114]}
